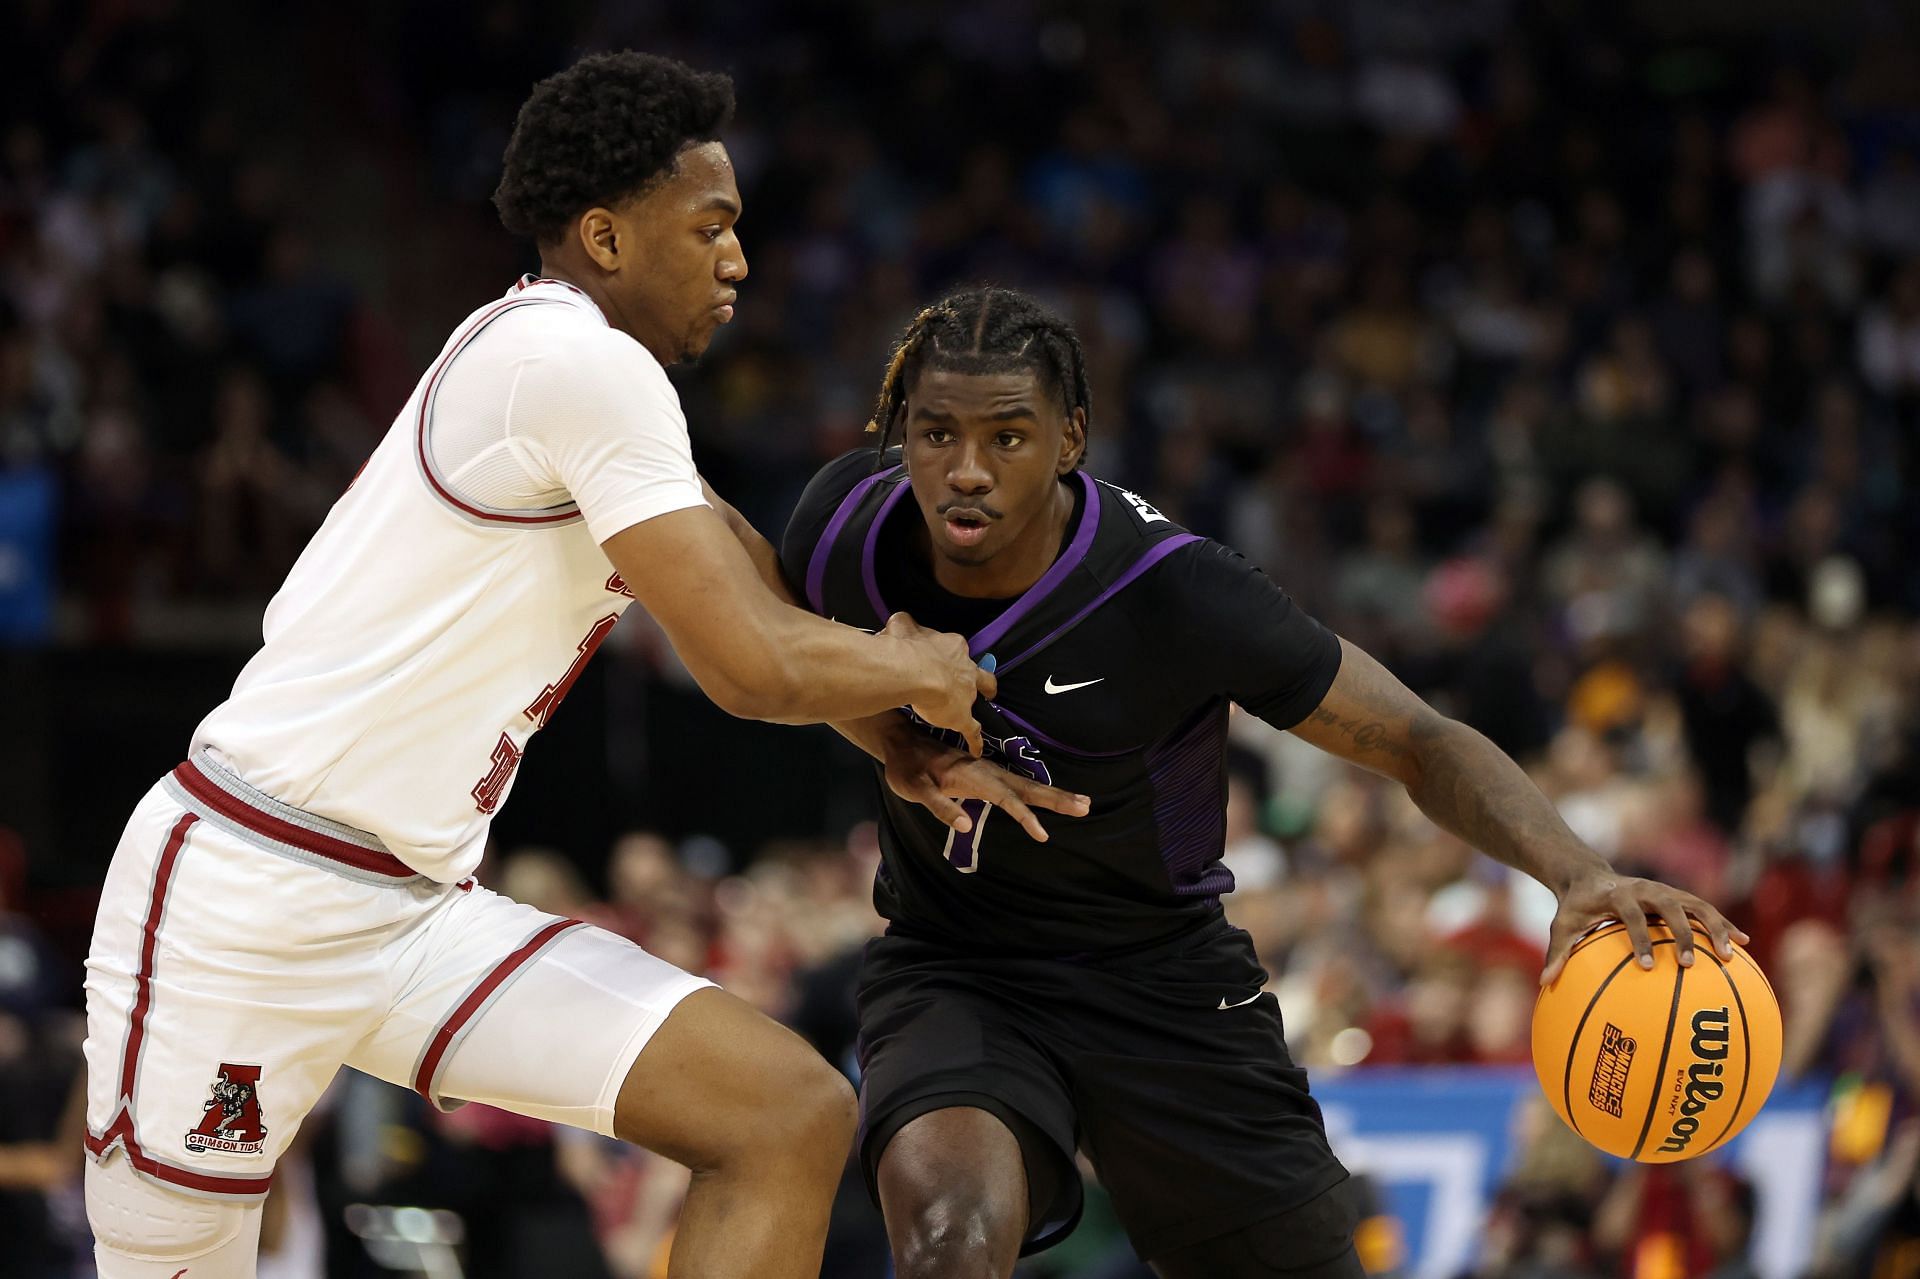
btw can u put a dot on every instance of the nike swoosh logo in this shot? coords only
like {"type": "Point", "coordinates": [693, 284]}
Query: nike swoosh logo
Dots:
{"type": "Point", "coordinates": [1224, 1005]}
{"type": "Point", "coordinates": [1052, 687]}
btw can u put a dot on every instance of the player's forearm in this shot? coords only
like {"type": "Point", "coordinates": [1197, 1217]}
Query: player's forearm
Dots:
{"type": "Point", "coordinates": [872, 733]}
{"type": "Point", "coordinates": [820, 673]}
{"type": "Point", "coordinates": [1472, 789]}
{"type": "Point", "coordinates": [817, 671]}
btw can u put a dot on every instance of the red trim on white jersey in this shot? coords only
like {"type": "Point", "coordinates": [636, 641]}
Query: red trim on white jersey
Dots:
{"type": "Point", "coordinates": [120, 1131]}
{"type": "Point", "coordinates": [450, 1029]}
{"type": "Point", "coordinates": [558, 515]}
{"type": "Point", "coordinates": [205, 792]}
{"type": "Point", "coordinates": [528, 281]}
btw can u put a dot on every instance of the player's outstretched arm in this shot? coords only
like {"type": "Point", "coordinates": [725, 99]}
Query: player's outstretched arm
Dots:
{"type": "Point", "coordinates": [918, 768]}
{"type": "Point", "coordinates": [1470, 787]}
{"type": "Point", "coordinates": [760, 658]}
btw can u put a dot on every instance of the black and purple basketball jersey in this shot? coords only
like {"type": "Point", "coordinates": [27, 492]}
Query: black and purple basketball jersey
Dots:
{"type": "Point", "coordinates": [1116, 671]}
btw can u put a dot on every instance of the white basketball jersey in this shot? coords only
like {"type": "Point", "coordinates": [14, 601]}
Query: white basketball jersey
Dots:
{"type": "Point", "coordinates": [422, 637]}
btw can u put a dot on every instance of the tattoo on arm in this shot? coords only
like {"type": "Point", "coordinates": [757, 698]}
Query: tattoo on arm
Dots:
{"type": "Point", "coordinates": [1464, 783]}
{"type": "Point", "coordinates": [1369, 736]}
{"type": "Point", "coordinates": [1469, 786]}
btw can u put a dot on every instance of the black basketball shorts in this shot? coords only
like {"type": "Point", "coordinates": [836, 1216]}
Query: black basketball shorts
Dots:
{"type": "Point", "coordinates": [1167, 1067]}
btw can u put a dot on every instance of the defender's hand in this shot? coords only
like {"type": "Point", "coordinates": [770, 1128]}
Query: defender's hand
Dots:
{"type": "Point", "coordinates": [953, 676]}
{"type": "Point", "coordinates": [1604, 895]}
{"type": "Point", "coordinates": [935, 776]}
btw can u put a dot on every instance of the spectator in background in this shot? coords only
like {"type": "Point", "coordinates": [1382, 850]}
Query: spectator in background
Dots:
{"type": "Point", "coordinates": [1670, 1220]}
{"type": "Point", "coordinates": [1608, 574]}
{"type": "Point", "coordinates": [1725, 714]}
{"type": "Point", "coordinates": [1890, 338]}
{"type": "Point", "coordinates": [1326, 266]}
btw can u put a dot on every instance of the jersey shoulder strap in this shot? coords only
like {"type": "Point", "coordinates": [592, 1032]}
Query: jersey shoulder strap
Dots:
{"type": "Point", "coordinates": [839, 581]}
{"type": "Point", "coordinates": [1118, 537]}
{"type": "Point", "coordinates": [1121, 536]}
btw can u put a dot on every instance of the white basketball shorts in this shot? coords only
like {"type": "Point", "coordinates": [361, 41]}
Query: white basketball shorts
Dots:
{"type": "Point", "coordinates": [245, 950]}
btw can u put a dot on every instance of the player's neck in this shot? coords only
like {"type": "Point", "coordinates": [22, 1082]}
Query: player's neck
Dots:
{"type": "Point", "coordinates": [587, 283]}
{"type": "Point", "coordinates": [1013, 570]}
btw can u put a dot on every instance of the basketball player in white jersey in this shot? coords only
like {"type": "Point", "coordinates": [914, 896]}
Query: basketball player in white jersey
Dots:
{"type": "Point", "coordinates": [298, 893]}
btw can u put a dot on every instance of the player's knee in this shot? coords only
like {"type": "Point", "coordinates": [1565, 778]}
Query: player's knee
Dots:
{"type": "Point", "coordinates": [804, 1127]}
{"type": "Point", "coordinates": [820, 1114]}
{"type": "Point", "coordinates": [954, 1234]}
{"type": "Point", "coordinates": [138, 1225]}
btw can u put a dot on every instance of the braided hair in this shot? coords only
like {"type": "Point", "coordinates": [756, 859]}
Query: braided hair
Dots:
{"type": "Point", "coordinates": [983, 330]}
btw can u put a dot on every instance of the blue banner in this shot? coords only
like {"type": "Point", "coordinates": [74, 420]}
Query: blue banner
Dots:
{"type": "Point", "coordinates": [1438, 1142]}
{"type": "Point", "coordinates": [27, 504]}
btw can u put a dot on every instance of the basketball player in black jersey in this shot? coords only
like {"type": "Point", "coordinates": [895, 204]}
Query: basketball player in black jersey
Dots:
{"type": "Point", "coordinates": [1030, 998]}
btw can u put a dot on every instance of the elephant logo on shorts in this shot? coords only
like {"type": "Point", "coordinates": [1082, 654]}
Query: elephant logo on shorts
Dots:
{"type": "Point", "coordinates": [232, 1123]}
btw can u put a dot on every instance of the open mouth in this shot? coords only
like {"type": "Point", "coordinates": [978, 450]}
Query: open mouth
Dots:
{"type": "Point", "coordinates": [965, 528]}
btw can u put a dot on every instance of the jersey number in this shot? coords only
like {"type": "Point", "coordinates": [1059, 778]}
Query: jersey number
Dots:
{"type": "Point", "coordinates": [1016, 754]}
{"type": "Point", "coordinates": [506, 756]}
{"type": "Point", "coordinates": [542, 708]}
{"type": "Point", "coordinates": [964, 850]}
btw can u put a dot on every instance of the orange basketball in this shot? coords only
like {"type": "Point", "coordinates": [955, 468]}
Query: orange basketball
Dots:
{"type": "Point", "coordinates": [1659, 1064]}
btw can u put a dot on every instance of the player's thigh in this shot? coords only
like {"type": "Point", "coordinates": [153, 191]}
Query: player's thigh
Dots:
{"type": "Point", "coordinates": [722, 1084]}
{"type": "Point", "coordinates": [567, 1022]}
{"type": "Point", "coordinates": [952, 1178]}
{"type": "Point", "coordinates": [933, 1037]}
{"type": "Point", "coordinates": [224, 987]}
{"type": "Point", "coordinates": [1191, 1110]}
{"type": "Point", "coordinates": [1311, 1241]}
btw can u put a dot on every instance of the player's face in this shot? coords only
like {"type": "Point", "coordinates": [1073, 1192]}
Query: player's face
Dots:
{"type": "Point", "coordinates": [985, 453]}
{"type": "Point", "coordinates": [678, 285]}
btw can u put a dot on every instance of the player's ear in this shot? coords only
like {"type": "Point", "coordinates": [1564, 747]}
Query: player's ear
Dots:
{"type": "Point", "coordinates": [599, 234]}
{"type": "Point", "coordinates": [1073, 440]}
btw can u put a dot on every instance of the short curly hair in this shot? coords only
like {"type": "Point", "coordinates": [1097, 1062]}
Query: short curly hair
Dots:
{"type": "Point", "coordinates": [601, 131]}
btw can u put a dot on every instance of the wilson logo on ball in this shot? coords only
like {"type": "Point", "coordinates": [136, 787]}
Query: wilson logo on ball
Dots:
{"type": "Point", "coordinates": [1701, 1085]}
{"type": "Point", "coordinates": [1656, 1064]}
{"type": "Point", "coordinates": [1608, 1091]}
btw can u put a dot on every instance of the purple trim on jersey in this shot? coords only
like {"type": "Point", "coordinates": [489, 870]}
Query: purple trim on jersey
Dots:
{"type": "Point", "coordinates": [1189, 812]}
{"type": "Point", "coordinates": [1053, 743]}
{"type": "Point", "coordinates": [1141, 565]}
{"type": "Point", "coordinates": [817, 566]}
{"type": "Point", "coordinates": [1049, 582]}
{"type": "Point", "coordinates": [867, 552]}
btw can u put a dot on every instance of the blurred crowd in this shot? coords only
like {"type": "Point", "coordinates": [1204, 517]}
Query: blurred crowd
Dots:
{"type": "Point", "coordinates": [1571, 369]}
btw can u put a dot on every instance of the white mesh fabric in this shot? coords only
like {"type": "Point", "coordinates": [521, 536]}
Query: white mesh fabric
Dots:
{"type": "Point", "coordinates": [548, 405]}
{"type": "Point", "coordinates": [468, 429]}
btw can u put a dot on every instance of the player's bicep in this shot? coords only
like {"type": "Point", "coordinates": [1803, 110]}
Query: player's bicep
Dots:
{"type": "Point", "coordinates": [1369, 718]}
{"type": "Point", "coordinates": [690, 572]}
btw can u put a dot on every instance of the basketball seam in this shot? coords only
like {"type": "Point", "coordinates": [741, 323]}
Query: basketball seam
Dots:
{"type": "Point", "coordinates": [1593, 934]}
{"type": "Point", "coordinates": [1660, 1071]}
{"type": "Point", "coordinates": [1746, 1050]}
{"type": "Point", "coordinates": [1573, 1045]}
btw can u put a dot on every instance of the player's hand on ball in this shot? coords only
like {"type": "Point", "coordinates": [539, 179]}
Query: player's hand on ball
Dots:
{"type": "Point", "coordinates": [1601, 896]}
{"type": "Point", "coordinates": [937, 777]}
{"type": "Point", "coordinates": [955, 678]}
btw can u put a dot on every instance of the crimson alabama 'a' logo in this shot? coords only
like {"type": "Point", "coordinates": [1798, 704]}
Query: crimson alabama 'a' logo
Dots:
{"type": "Point", "coordinates": [232, 1123]}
